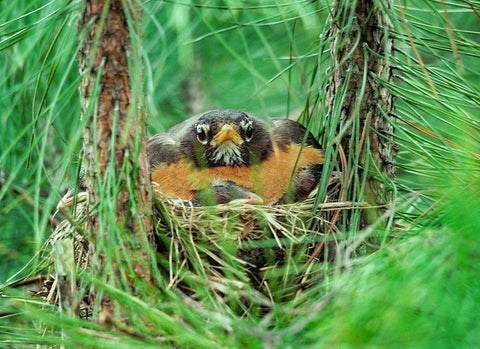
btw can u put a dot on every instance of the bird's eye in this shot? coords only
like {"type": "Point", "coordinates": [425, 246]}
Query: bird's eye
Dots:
{"type": "Point", "coordinates": [249, 132]}
{"type": "Point", "coordinates": [202, 133]}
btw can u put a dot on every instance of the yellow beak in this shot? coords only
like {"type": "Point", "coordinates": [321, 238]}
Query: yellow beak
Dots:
{"type": "Point", "coordinates": [67, 200]}
{"type": "Point", "coordinates": [251, 199]}
{"type": "Point", "coordinates": [226, 133]}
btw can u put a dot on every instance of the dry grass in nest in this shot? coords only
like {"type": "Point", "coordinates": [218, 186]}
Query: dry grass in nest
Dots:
{"type": "Point", "coordinates": [243, 241]}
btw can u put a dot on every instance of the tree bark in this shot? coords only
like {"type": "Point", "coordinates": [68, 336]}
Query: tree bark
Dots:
{"type": "Point", "coordinates": [360, 48]}
{"type": "Point", "coordinates": [115, 136]}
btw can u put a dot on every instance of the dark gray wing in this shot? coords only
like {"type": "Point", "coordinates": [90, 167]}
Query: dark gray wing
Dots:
{"type": "Point", "coordinates": [162, 149]}
{"type": "Point", "coordinates": [286, 131]}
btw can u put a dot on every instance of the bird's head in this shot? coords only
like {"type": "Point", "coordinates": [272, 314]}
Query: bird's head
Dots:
{"type": "Point", "coordinates": [229, 138]}
{"type": "Point", "coordinates": [226, 192]}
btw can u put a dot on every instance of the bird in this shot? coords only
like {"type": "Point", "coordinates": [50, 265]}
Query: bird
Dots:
{"type": "Point", "coordinates": [233, 155]}
{"type": "Point", "coordinates": [277, 159]}
{"type": "Point", "coordinates": [76, 194]}
{"type": "Point", "coordinates": [225, 192]}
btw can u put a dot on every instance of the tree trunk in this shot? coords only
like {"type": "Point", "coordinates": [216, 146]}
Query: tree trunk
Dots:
{"type": "Point", "coordinates": [360, 48]}
{"type": "Point", "coordinates": [115, 139]}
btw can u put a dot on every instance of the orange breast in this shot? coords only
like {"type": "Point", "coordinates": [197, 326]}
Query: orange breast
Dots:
{"type": "Point", "coordinates": [277, 171]}
{"type": "Point", "coordinates": [269, 179]}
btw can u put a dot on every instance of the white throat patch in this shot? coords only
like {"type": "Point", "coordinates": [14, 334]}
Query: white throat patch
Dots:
{"type": "Point", "coordinates": [229, 152]}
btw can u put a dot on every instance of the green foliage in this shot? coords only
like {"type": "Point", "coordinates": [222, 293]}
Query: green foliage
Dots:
{"type": "Point", "coordinates": [420, 291]}
{"type": "Point", "coordinates": [271, 58]}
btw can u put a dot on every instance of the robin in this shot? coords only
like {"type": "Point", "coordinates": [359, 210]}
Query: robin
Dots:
{"type": "Point", "coordinates": [68, 199]}
{"type": "Point", "coordinates": [266, 157]}
{"type": "Point", "coordinates": [225, 192]}
{"type": "Point", "coordinates": [237, 156]}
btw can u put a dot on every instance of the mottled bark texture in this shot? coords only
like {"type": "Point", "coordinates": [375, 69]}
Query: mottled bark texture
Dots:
{"type": "Point", "coordinates": [360, 48]}
{"type": "Point", "coordinates": [116, 119]}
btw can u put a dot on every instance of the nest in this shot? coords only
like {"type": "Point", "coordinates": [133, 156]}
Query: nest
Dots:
{"type": "Point", "coordinates": [263, 237]}
{"type": "Point", "coordinates": [68, 232]}
{"type": "Point", "coordinates": [245, 240]}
